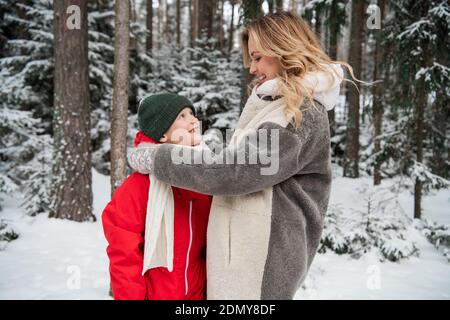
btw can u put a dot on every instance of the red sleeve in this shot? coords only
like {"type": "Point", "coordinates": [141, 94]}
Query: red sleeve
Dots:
{"type": "Point", "coordinates": [124, 224]}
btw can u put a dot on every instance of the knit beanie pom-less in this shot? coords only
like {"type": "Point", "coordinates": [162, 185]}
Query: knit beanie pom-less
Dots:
{"type": "Point", "coordinates": [157, 112]}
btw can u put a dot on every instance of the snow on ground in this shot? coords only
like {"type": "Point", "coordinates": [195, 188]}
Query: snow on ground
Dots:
{"type": "Point", "coordinates": [334, 276]}
{"type": "Point", "coordinates": [58, 259]}
{"type": "Point", "coordinates": [53, 258]}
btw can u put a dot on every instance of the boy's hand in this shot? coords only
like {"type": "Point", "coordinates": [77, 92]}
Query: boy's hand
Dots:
{"type": "Point", "coordinates": [141, 159]}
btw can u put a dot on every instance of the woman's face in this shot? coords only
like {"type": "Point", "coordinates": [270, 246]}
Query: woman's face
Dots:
{"type": "Point", "coordinates": [263, 67]}
{"type": "Point", "coordinates": [184, 130]}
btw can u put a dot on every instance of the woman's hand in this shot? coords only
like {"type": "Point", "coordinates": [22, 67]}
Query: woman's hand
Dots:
{"type": "Point", "coordinates": [141, 158]}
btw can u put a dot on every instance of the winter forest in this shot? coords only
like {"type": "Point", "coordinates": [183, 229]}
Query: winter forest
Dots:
{"type": "Point", "coordinates": [68, 116]}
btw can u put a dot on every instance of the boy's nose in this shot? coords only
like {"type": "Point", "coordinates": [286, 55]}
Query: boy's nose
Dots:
{"type": "Point", "coordinates": [193, 119]}
{"type": "Point", "coordinates": [252, 70]}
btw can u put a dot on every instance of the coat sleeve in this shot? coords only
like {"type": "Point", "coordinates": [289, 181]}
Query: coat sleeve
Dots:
{"type": "Point", "coordinates": [123, 224]}
{"type": "Point", "coordinates": [266, 163]}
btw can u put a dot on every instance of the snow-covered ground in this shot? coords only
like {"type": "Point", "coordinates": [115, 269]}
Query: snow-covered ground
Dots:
{"type": "Point", "coordinates": [53, 258]}
{"type": "Point", "coordinates": [57, 259]}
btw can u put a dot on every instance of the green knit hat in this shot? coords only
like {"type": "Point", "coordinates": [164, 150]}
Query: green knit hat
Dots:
{"type": "Point", "coordinates": [157, 112]}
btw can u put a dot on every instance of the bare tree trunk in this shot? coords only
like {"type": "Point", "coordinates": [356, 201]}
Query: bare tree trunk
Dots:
{"type": "Point", "coordinates": [167, 23]}
{"type": "Point", "coordinates": [279, 5]}
{"type": "Point", "coordinates": [441, 113]}
{"type": "Point", "coordinates": [212, 13]}
{"type": "Point", "coordinates": [134, 69]}
{"type": "Point", "coordinates": [133, 41]}
{"type": "Point", "coordinates": [420, 106]}
{"type": "Point", "coordinates": [3, 39]}
{"type": "Point", "coordinates": [119, 112]}
{"type": "Point", "coordinates": [333, 48]}
{"type": "Point", "coordinates": [72, 193]}
{"type": "Point", "coordinates": [194, 21]}
{"type": "Point", "coordinates": [332, 122]}
{"type": "Point", "coordinates": [178, 22]}
{"type": "Point", "coordinates": [334, 30]}
{"type": "Point", "coordinates": [270, 4]}
{"type": "Point", "coordinates": [439, 138]}
{"type": "Point", "coordinates": [378, 92]}
{"type": "Point", "coordinates": [205, 16]}
{"type": "Point", "coordinates": [161, 15]}
{"type": "Point", "coordinates": [420, 111]}
{"type": "Point", "coordinates": [318, 25]}
{"type": "Point", "coordinates": [231, 33]}
{"type": "Point", "coordinates": [221, 42]}
{"type": "Point", "coordinates": [149, 23]}
{"type": "Point", "coordinates": [191, 24]}
{"type": "Point", "coordinates": [351, 161]}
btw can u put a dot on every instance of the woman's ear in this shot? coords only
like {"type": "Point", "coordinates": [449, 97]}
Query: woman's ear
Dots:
{"type": "Point", "coordinates": [163, 139]}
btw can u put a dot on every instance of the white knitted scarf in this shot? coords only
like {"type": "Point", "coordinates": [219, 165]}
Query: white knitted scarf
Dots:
{"type": "Point", "coordinates": [159, 234]}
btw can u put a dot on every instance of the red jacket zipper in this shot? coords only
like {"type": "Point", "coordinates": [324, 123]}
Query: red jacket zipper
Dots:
{"type": "Point", "coordinates": [189, 248]}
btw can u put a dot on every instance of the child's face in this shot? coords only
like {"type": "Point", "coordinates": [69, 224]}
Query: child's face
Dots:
{"type": "Point", "coordinates": [184, 130]}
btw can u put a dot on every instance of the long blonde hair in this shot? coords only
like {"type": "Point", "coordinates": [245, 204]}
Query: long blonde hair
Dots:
{"type": "Point", "coordinates": [289, 38]}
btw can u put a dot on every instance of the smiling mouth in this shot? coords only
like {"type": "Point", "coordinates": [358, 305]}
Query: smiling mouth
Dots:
{"type": "Point", "coordinates": [261, 78]}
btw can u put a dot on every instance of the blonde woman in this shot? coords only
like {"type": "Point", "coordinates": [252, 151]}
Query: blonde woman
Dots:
{"type": "Point", "coordinates": [267, 215]}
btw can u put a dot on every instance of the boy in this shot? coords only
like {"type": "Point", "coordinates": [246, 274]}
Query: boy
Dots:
{"type": "Point", "coordinates": [157, 233]}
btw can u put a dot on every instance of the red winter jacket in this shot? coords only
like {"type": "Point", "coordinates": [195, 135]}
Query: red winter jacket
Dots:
{"type": "Point", "coordinates": [124, 227]}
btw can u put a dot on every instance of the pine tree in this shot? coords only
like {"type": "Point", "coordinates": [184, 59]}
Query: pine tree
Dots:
{"type": "Point", "coordinates": [26, 98]}
{"type": "Point", "coordinates": [228, 85]}
{"type": "Point", "coordinates": [421, 76]}
{"type": "Point", "coordinates": [101, 65]}
{"type": "Point", "coordinates": [430, 76]}
{"type": "Point", "coordinates": [199, 82]}
{"type": "Point", "coordinates": [27, 94]}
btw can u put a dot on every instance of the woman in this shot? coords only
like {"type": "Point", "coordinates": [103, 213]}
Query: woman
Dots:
{"type": "Point", "coordinates": [266, 217]}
